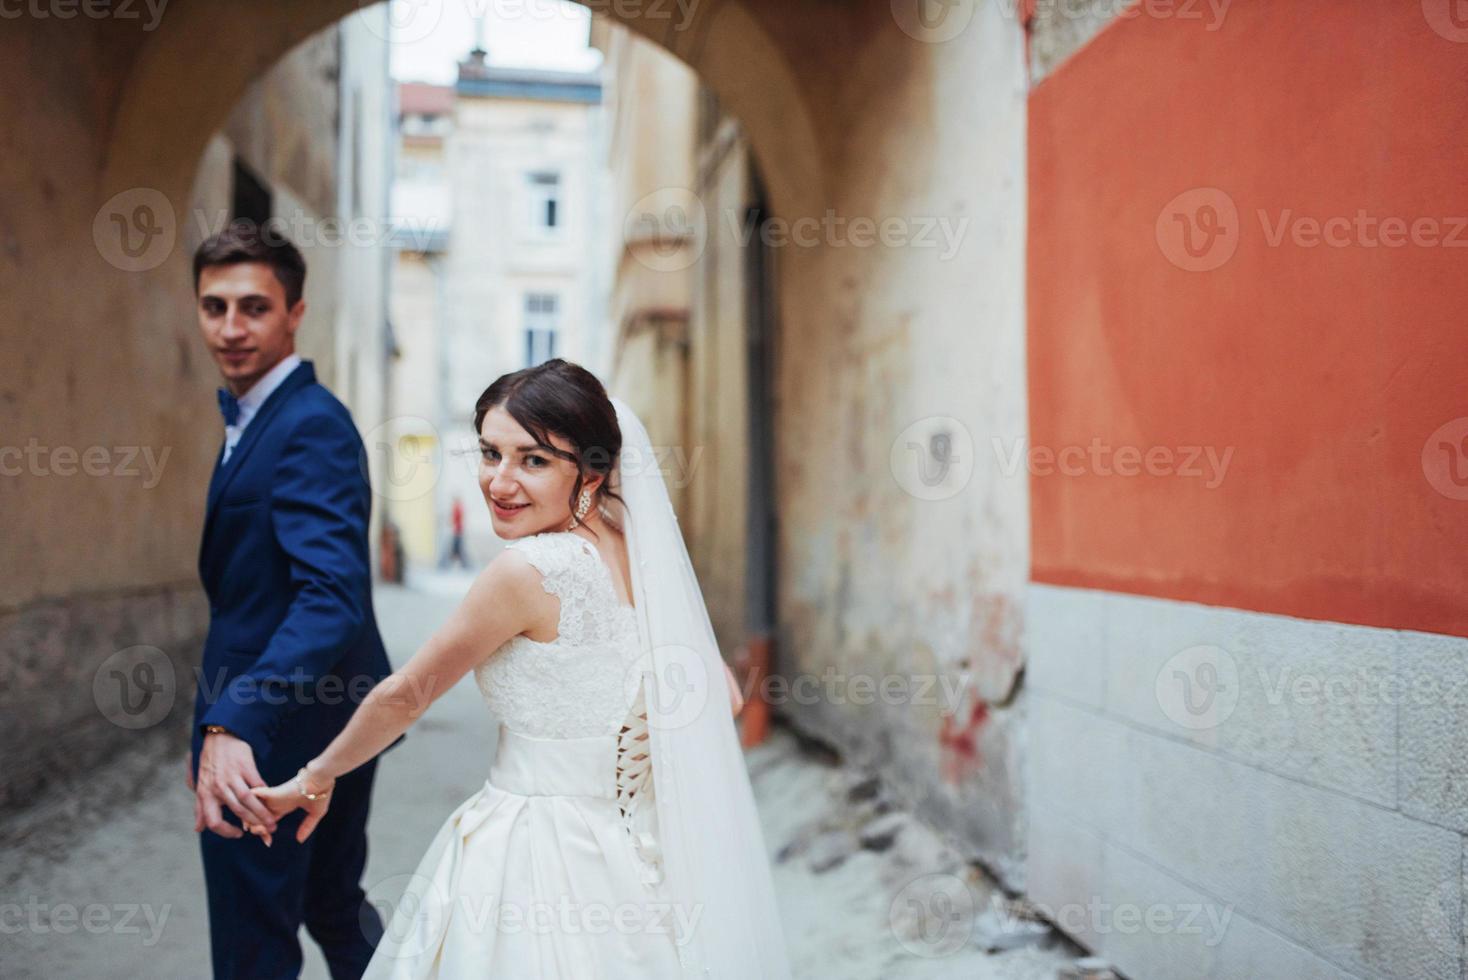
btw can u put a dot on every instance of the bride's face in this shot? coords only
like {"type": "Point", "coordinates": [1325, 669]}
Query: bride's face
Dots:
{"type": "Point", "coordinates": [528, 490]}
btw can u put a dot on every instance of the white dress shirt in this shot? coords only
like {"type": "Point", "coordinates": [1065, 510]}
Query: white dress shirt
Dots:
{"type": "Point", "coordinates": [251, 400]}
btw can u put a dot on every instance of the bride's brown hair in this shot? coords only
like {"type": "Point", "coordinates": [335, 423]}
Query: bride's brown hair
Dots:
{"type": "Point", "coordinates": [567, 400]}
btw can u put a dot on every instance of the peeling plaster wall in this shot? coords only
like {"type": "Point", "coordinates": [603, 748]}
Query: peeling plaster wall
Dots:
{"type": "Point", "coordinates": [885, 576]}
{"type": "Point", "coordinates": [100, 557]}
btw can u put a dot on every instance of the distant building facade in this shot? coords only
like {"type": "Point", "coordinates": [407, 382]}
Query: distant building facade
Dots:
{"type": "Point", "coordinates": [495, 206]}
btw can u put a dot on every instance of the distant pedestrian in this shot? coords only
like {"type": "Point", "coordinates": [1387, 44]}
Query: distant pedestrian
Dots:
{"type": "Point", "coordinates": [456, 536]}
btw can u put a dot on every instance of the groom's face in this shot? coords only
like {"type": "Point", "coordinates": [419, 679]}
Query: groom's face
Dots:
{"type": "Point", "coordinates": [528, 490]}
{"type": "Point", "coordinates": [245, 321]}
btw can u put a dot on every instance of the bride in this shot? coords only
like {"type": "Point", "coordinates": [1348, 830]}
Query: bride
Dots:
{"type": "Point", "coordinates": [616, 834]}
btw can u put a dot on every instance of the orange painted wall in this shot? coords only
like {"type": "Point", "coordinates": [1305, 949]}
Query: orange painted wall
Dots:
{"type": "Point", "coordinates": [1326, 369]}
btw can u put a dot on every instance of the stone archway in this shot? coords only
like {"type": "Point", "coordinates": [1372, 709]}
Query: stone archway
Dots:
{"type": "Point", "coordinates": [852, 115]}
{"type": "Point", "coordinates": [725, 43]}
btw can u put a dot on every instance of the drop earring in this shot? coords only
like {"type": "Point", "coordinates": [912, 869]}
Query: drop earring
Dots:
{"type": "Point", "coordinates": [583, 504]}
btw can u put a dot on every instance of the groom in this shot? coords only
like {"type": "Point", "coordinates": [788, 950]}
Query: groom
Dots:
{"type": "Point", "coordinates": [293, 645]}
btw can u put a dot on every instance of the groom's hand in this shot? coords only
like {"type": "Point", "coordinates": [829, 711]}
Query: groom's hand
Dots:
{"type": "Point", "coordinates": [226, 773]}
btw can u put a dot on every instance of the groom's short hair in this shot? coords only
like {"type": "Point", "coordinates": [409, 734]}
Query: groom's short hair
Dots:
{"type": "Point", "coordinates": [243, 242]}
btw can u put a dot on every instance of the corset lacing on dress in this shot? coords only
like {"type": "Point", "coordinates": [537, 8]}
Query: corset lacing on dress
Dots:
{"type": "Point", "coordinates": [634, 789]}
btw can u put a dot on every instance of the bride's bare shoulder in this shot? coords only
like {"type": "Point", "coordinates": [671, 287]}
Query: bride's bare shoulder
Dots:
{"type": "Point", "coordinates": [509, 575]}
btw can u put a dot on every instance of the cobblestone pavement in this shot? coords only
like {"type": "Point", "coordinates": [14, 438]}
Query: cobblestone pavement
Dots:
{"type": "Point", "coordinates": [105, 880]}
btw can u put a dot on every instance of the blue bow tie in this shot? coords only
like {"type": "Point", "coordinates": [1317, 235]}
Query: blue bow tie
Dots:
{"type": "Point", "coordinates": [229, 407]}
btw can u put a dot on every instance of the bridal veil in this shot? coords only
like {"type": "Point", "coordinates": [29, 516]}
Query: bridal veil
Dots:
{"type": "Point", "coordinates": [712, 846]}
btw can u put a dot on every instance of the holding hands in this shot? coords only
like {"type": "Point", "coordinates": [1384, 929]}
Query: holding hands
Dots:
{"type": "Point", "coordinates": [304, 791]}
{"type": "Point", "coordinates": [227, 774]}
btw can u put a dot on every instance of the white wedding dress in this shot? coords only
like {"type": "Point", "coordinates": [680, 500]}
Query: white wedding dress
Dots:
{"type": "Point", "coordinates": [553, 868]}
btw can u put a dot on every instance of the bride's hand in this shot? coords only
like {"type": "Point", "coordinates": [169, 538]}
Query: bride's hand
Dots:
{"type": "Point", "coordinates": [286, 798]}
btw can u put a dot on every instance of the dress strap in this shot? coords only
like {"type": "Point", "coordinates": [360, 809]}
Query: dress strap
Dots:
{"type": "Point", "coordinates": [566, 574]}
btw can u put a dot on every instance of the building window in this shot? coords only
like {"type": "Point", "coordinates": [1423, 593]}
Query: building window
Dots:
{"type": "Point", "coordinates": [545, 202]}
{"type": "Point", "coordinates": [541, 315]}
{"type": "Point", "coordinates": [250, 198]}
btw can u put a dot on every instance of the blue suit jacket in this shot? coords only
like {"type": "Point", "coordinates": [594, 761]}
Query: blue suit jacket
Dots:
{"type": "Point", "coordinates": [293, 645]}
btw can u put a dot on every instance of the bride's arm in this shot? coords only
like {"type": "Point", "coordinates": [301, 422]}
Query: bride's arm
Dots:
{"type": "Point", "coordinates": [503, 601]}
{"type": "Point", "coordinates": [506, 599]}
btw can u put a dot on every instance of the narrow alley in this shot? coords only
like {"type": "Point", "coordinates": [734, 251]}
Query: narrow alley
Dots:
{"type": "Point", "coordinates": [112, 888]}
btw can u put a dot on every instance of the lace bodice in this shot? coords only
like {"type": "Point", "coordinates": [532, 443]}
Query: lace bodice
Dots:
{"type": "Point", "coordinates": [585, 681]}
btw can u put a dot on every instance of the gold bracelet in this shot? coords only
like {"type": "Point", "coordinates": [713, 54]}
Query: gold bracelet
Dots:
{"type": "Point", "coordinates": [301, 787]}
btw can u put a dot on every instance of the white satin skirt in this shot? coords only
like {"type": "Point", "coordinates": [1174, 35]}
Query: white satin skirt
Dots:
{"type": "Point", "coordinates": [538, 875]}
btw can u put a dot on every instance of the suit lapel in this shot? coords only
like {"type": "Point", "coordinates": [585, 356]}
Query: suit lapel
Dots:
{"type": "Point", "coordinates": [224, 473]}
